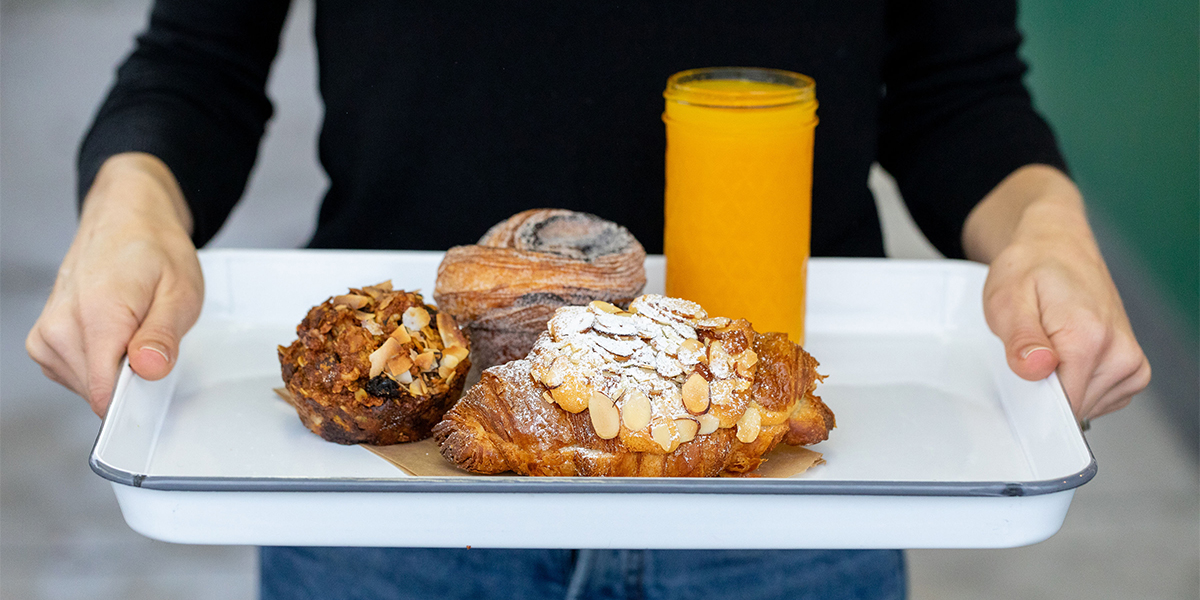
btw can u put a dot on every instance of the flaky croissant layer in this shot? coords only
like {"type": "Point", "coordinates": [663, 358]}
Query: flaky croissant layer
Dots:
{"type": "Point", "coordinates": [659, 390]}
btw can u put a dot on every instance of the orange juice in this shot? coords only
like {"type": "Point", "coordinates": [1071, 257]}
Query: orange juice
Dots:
{"type": "Point", "coordinates": [739, 191]}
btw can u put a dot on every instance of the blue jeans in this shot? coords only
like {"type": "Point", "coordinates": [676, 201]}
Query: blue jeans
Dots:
{"type": "Point", "coordinates": [396, 573]}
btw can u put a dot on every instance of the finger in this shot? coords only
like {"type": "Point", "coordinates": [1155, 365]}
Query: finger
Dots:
{"type": "Point", "coordinates": [1080, 355]}
{"type": "Point", "coordinates": [1015, 317]}
{"type": "Point", "coordinates": [1132, 376]}
{"type": "Point", "coordinates": [53, 366]}
{"type": "Point", "coordinates": [154, 347]}
{"type": "Point", "coordinates": [106, 331]}
{"type": "Point", "coordinates": [53, 346]}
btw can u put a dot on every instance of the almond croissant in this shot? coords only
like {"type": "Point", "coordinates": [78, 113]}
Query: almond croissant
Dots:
{"type": "Point", "coordinates": [660, 390]}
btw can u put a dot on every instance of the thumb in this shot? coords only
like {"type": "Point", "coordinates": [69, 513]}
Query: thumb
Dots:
{"type": "Point", "coordinates": [1018, 323]}
{"type": "Point", "coordinates": [154, 347]}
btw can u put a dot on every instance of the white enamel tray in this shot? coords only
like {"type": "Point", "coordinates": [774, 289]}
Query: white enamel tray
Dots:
{"type": "Point", "coordinates": [938, 444]}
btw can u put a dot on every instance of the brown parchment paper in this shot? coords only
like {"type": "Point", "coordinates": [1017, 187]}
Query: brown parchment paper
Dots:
{"type": "Point", "coordinates": [422, 459]}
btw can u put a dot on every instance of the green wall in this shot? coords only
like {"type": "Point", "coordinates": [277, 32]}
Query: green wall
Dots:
{"type": "Point", "coordinates": [1119, 82]}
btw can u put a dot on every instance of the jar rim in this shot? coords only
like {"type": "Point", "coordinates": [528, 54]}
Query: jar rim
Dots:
{"type": "Point", "coordinates": [792, 87]}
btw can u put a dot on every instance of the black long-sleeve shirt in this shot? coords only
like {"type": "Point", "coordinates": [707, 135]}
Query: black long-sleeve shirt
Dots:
{"type": "Point", "coordinates": [443, 118]}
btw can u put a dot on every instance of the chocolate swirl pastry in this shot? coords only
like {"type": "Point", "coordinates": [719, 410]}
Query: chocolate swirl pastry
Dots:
{"type": "Point", "coordinates": [659, 390]}
{"type": "Point", "coordinates": [374, 366]}
{"type": "Point", "coordinates": [504, 289]}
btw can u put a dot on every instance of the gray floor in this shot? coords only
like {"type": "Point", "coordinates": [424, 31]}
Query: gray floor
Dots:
{"type": "Point", "coordinates": [1134, 532]}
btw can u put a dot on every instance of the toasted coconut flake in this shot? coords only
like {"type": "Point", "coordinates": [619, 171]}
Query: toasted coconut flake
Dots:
{"type": "Point", "coordinates": [415, 318]}
{"type": "Point", "coordinates": [399, 364]}
{"type": "Point", "coordinates": [382, 355]}
{"type": "Point", "coordinates": [353, 301]}
{"type": "Point", "coordinates": [426, 361]}
{"type": "Point", "coordinates": [377, 290]}
{"type": "Point", "coordinates": [451, 334]}
{"type": "Point", "coordinates": [458, 352]}
{"type": "Point", "coordinates": [400, 334]}
{"type": "Point", "coordinates": [417, 388]}
{"type": "Point", "coordinates": [372, 326]}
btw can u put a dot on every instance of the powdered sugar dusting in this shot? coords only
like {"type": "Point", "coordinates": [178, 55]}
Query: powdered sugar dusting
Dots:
{"type": "Point", "coordinates": [651, 348]}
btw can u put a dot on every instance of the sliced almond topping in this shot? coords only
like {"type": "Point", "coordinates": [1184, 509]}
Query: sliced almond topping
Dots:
{"type": "Point", "coordinates": [570, 320]}
{"type": "Point", "coordinates": [426, 361]}
{"type": "Point", "coordinates": [615, 324]}
{"type": "Point", "coordinates": [399, 364]}
{"type": "Point", "coordinates": [663, 434]}
{"type": "Point", "coordinates": [745, 363]}
{"type": "Point", "coordinates": [617, 347]}
{"type": "Point", "coordinates": [600, 306]}
{"type": "Point", "coordinates": [382, 355]}
{"type": "Point", "coordinates": [451, 334]}
{"type": "Point", "coordinates": [557, 373]}
{"type": "Point", "coordinates": [401, 335]}
{"type": "Point", "coordinates": [749, 425]}
{"type": "Point", "coordinates": [719, 361]}
{"type": "Point", "coordinates": [708, 423]}
{"type": "Point", "coordinates": [547, 397]}
{"type": "Point", "coordinates": [573, 395]}
{"type": "Point", "coordinates": [687, 428]}
{"type": "Point", "coordinates": [684, 331]}
{"type": "Point", "coordinates": [713, 322]}
{"type": "Point", "coordinates": [458, 352]}
{"type": "Point", "coordinates": [695, 394]}
{"type": "Point", "coordinates": [353, 301]}
{"type": "Point", "coordinates": [606, 420]}
{"type": "Point", "coordinates": [635, 412]}
{"type": "Point", "coordinates": [415, 318]}
{"type": "Point", "coordinates": [666, 366]}
{"type": "Point", "coordinates": [690, 351]}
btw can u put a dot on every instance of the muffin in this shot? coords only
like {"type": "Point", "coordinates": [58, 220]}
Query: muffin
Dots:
{"type": "Point", "coordinates": [375, 366]}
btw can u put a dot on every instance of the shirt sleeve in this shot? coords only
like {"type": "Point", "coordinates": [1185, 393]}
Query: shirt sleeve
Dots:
{"type": "Point", "coordinates": [193, 93]}
{"type": "Point", "coordinates": [956, 118]}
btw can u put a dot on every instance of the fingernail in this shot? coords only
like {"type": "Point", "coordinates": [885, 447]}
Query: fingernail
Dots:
{"type": "Point", "coordinates": [1029, 351]}
{"type": "Point", "coordinates": [160, 352]}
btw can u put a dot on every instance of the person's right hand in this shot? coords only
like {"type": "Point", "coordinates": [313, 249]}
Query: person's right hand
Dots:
{"type": "Point", "coordinates": [129, 284]}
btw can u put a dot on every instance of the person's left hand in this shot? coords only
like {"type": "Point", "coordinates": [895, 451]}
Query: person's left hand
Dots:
{"type": "Point", "coordinates": [1049, 296]}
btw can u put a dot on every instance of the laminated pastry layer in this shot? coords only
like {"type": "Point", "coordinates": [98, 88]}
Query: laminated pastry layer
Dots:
{"type": "Point", "coordinates": [504, 289]}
